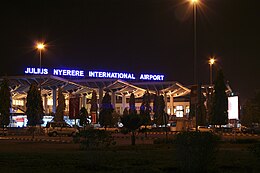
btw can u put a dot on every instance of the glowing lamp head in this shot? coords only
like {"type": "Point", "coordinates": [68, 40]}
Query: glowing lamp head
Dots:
{"type": "Point", "coordinates": [194, 1]}
{"type": "Point", "coordinates": [211, 61]}
{"type": "Point", "coordinates": [40, 46]}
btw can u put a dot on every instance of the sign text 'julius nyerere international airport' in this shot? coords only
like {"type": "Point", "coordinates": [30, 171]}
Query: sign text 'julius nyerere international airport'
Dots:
{"type": "Point", "coordinates": [92, 74]}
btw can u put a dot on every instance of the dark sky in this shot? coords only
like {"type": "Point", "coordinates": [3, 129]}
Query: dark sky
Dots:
{"type": "Point", "coordinates": [149, 36]}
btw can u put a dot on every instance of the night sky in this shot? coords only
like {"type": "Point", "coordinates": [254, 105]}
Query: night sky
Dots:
{"type": "Point", "coordinates": [149, 36]}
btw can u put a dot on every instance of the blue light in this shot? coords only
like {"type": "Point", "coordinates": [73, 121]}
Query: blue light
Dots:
{"type": "Point", "coordinates": [64, 72]}
{"type": "Point", "coordinates": [56, 72]}
{"type": "Point", "coordinates": [95, 74]}
{"type": "Point", "coordinates": [36, 71]}
{"type": "Point", "coordinates": [101, 74]}
{"type": "Point", "coordinates": [151, 77]}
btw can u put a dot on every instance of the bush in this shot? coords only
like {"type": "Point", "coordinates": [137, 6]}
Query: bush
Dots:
{"type": "Point", "coordinates": [94, 139]}
{"type": "Point", "coordinates": [196, 151]}
{"type": "Point", "coordinates": [124, 130]}
{"type": "Point", "coordinates": [164, 141]}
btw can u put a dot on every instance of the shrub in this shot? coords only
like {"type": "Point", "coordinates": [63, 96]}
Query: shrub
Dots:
{"type": "Point", "coordinates": [164, 141]}
{"type": "Point", "coordinates": [196, 151]}
{"type": "Point", "coordinates": [124, 131]}
{"type": "Point", "coordinates": [94, 139]}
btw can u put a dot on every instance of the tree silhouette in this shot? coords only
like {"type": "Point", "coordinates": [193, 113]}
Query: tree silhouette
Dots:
{"type": "Point", "coordinates": [145, 109]}
{"type": "Point", "coordinates": [251, 110]}
{"type": "Point", "coordinates": [34, 108]}
{"type": "Point", "coordinates": [219, 109]}
{"type": "Point", "coordinates": [83, 117]}
{"type": "Point", "coordinates": [61, 106]}
{"type": "Point", "coordinates": [201, 110]}
{"type": "Point", "coordinates": [5, 104]}
{"type": "Point", "coordinates": [93, 105]}
{"type": "Point", "coordinates": [105, 115]}
{"type": "Point", "coordinates": [132, 108]}
{"type": "Point", "coordinates": [131, 120]}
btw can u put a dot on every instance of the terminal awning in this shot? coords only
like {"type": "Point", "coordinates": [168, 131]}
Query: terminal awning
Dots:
{"type": "Point", "coordinates": [94, 83]}
{"type": "Point", "coordinates": [21, 84]}
{"type": "Point", "coordinates": [176, 90]}
{"type": "Point", "coordinates": [124, 88]}
{"type": "Point", "coordinates": [170, 88]}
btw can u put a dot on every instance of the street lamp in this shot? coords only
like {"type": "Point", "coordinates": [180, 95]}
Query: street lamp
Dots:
{"type": "Point", "coordinates": [194, 4]}
{"type": "Point", "coordinates": [196, 82]}
{"type": "Point", "coordinates": [40, 47]}
{"type": "Point", "coordinates": [211, 62]}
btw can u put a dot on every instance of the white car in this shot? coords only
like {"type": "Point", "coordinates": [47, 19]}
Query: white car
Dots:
{"type": "Point", "coordinates": [204, 129]}
{"type": "Point", "coordinates": [60, 128]}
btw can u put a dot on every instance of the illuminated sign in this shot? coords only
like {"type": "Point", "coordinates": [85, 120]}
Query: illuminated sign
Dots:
{"type": "Point", "coordinates": [55, 72]}
{"type": "Point", "coordinates": [62, 72]}
{"type": "Point", "coordinates": [100, 74]}
{"type": "Point", "coordinates": [92, 74]}
{"type": "Point", "coordinates": [151, 77]}
{"type": "Point", "coordinates": [36, 71]}
{"type": "Point", "coordinates": [233, 109]}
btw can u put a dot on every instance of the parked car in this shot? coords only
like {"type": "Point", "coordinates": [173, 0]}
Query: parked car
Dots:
{"type": "Point", "coordinates": [60, 128]}
{"type": "Point", "coordinates": [253, 130]}
{"type": "Point", "coordinates": [204, 129]}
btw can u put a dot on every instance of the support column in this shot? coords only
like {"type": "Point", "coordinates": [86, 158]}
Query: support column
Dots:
{"type": "Point", "coordinates": [113, 100]}
{"type": "Point", "coordinates": [171, 104]}
{"type": "Point", "coordinates": [54, 99]}
{"type": "Point", "coordinates": [100, 97]}
{"type": "Point", "coordinates": [84, 100]}
{"type": "Point", "coordinates": [11, 103]}
{"type": "Point", "coordinates": [165, 101]}
{"type": "Point", "coordinates": [45, 100]}
{"type": "Point", "coordinates": [24, 103]}
{"type": "Point", "coordinates": [123, 103]}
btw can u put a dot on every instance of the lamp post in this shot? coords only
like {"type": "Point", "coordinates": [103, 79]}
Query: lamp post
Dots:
{"type": "Point", "coordinates": [211, 62]}
{"type": "Point", "coordinates": [196, 82]}
{"type": "Point", "coordinates": [40, 47]}
{"type": "Point", "coordinates": [194, 4]}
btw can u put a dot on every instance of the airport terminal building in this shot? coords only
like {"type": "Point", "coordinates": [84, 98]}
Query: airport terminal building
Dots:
{"type": "Point", "coordinates": [78, 85]}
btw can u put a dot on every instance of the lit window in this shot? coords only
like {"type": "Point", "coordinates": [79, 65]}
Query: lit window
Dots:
{"type": "Point", "coordinates": [18, 102]}
{"type": "Point", "coordinates": [187, 110]}
{"type": "Point", "coordinates": [50, 102]}
{"type": "Point", "coordinates": [169, 111]}
{"type": "Point", "coordinates": [179, 111]}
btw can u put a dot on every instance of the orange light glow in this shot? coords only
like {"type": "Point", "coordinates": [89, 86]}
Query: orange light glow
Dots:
{"type": "Point", "coordinates": [194, 1]}
{"type": "Point", "coordinates": [211, 61]}
{"type": "Point", "coordinates": [40, 46]}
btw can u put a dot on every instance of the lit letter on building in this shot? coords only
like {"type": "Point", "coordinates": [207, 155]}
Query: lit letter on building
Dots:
{"type": "Point", "coordinates": [63, 72]}
{"type": "Point", "coordinates": [36, 71]}
{"type": "Point", "coordinates": [151, 77]}
{"type": "Point", "coordinates": [101, 74]}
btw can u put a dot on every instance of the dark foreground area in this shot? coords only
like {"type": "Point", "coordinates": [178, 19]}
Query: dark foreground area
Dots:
{"type": "Point", "coordinates": [27, 156]}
